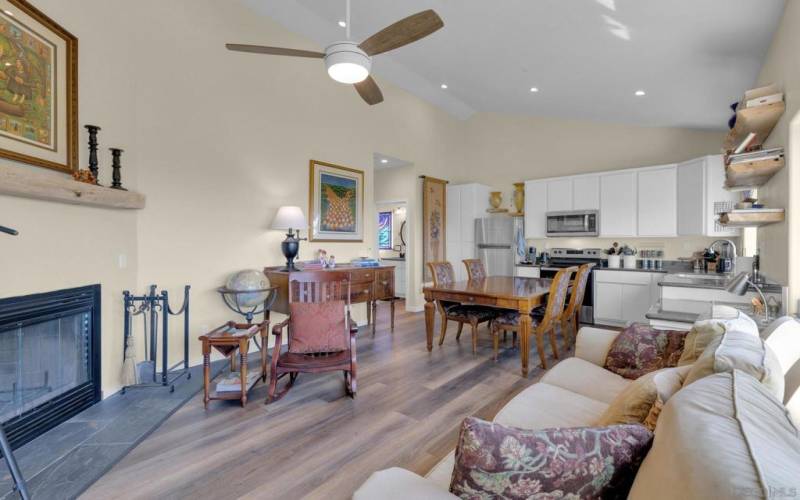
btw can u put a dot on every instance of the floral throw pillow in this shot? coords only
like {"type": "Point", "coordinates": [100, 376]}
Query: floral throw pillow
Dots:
{"type": "Point", "coordinates": [495, 461]}
{"type": "Point", "coordinates": [640, 349]}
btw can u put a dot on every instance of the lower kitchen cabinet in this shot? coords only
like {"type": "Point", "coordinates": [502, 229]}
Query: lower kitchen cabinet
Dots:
{"type": "Point", "coordinates": [622, 297]}
{"type": "Point", "coordinates": [527, 272]}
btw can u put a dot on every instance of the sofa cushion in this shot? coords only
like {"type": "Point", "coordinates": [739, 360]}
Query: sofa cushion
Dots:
{"type": "Point", "coordinates": [724, 436]}
{"type": "Point", "coordinates": [399, 484]}
{"type": "Point", "coordinates": [542, 406]}
{"type": "Point", "coordinates": [640, 349]}
{"type": "Point", "coordinates": [698, 338]}
{"type": "Point", "coordinates": [590, 462]}
{"type": "Point", "coordinates": [592, 344]}
{"type": "Point", "coordinates": [633, 405]}
{"type": "Point", "coordinates": [586, 379]}
{"type": "Point", "coordinates": [740, 351]}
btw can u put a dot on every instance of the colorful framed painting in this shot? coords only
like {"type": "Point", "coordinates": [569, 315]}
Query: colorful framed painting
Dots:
{"type": "Point", "coordinates": [385, 230]}
{"type": "Point", "coordinates": [434, 217]}
{"type": "Point", "coordinates": [38, 88]}
{"type": "Point", "coordinates": [336, 202]}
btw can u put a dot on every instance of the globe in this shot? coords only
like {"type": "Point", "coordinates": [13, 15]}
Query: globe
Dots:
{"type": "Point", "coordinates": [243, 281]}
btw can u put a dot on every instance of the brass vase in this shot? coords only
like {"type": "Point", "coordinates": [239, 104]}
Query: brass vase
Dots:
{"type": "Point", "coordinates": [519, 196]}
{"type": "Point", "coordinates": [496, 199]}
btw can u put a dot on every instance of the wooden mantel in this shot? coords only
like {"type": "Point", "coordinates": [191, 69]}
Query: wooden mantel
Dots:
{"type": "Point", "coordinates": [24, 182]}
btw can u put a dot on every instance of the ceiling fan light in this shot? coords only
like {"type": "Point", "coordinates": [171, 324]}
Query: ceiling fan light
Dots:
{"type": "Point", "coordinates": [346, 63]}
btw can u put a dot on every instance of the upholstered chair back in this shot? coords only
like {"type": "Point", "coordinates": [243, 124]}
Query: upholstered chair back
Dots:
{"type": "Point", "coordinates": [475, 269]}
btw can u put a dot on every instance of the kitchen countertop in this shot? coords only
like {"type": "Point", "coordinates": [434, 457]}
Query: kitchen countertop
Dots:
{"type": "Point", "coordinates": [395, 259]}
{"type": "Point", "coordinates": [713, 281]}
{"type": "Point", "coordinates": [688, 311]}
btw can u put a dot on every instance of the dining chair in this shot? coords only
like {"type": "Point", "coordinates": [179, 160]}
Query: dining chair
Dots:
{"type": "Point", "coordinates": [320, 333]}
{"type": "Point", "coordinates": [541, 325]}
{"type": "Point", "coordinates": [443, 274]}
{"type": "Point", "coordinates": [573, 310]}
{"type": "Point", "coordinates": [475, 269]}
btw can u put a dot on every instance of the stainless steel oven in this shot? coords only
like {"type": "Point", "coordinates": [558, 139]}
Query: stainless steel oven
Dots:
{"type": "Point", "coordinates": [573, 223]}
{"type": "Point", "coordinates": [568, 257]}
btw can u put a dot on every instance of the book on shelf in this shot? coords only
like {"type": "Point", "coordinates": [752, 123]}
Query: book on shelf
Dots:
{"type": "Point", "coordinates": [760, 155]}
{"type": "Point", "coordinates": [233, 382]}
{"type": "Point", "coordinates": [761, 96]}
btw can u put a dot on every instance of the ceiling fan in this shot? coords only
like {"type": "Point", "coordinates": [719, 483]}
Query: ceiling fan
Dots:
{"type": "Point", "coordinates": [350, 62]}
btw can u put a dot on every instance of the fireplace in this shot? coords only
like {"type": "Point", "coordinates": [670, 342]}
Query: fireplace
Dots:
{"type": "Point", "coordinates": [49, 359]}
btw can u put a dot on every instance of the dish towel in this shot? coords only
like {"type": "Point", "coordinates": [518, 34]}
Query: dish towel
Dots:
{"type": "Point", "coordinates": [520, 242]}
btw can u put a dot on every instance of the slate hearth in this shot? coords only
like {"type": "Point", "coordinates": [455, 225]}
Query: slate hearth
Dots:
{"type": "Point", "coordinates": [66, 460]}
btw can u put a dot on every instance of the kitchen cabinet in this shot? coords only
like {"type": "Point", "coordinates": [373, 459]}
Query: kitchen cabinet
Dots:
{"type": "Point", "coordinates": [465, 203]}
{"type": "Point", "coordinates": [701, 196]}
{"type": "Point", "coordinates": [527, 272]}
{"type": "Point", "coordinates": [535, 209]}
{"type": "Point", "coordinates": [657, 202]}
{"type": "Point", "coordinates": [622, 297]}
{"type": "Point", "coordinates": [559, 195]}
{"type": "Point", "coordinates": [586, 192]}
{"type": "Point", "coordinates": [618, 204]}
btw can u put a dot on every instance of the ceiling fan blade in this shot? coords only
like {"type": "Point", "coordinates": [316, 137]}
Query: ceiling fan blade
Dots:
{"type": "Point", "coordinates": [402, 32]}
{"type": "Point", "coordinates": [369, 91]}
{"type": "Point", "coordinates": [276, 51]}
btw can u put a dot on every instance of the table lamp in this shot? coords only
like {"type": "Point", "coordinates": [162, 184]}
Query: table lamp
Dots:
{"type": "Point", "coordinates": [290, 218]}
{"type": "Point", "coordinates": [739, 286]}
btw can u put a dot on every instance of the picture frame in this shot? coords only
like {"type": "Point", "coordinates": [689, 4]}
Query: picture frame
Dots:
{"type": "Point", "coordinates": [434, 221]}
{"type": "Point", "coordinates": [38, 89]}
{"type": "Point", "coordinates": [336, 202]}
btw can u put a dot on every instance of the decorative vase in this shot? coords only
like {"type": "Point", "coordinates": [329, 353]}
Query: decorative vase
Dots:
{"type": "Point", "coordinates": [519, 196]}
{"type": "Point", "coordinates": [496, 199]}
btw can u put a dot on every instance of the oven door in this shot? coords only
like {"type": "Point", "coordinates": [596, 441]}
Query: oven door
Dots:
{"type": "Point", "coordinates": [573, 223]}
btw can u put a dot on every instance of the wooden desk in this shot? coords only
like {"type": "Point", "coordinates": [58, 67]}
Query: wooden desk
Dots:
{"type": "Point", "coordinates": [367, 284]}
{"type": "Point", "coordinates": [522, 294]}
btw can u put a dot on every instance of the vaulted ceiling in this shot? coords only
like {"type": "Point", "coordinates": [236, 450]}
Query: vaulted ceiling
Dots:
{"type": "Point", "coordinates": [587, 58]}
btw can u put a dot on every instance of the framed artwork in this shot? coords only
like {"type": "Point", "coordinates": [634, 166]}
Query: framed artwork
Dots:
{"type": "Point", "coordinates": [385, 230]}
{"type": "Point", "coordinates": [38, 88]}
{"type": "Point", "coordinates": [434, 217]}
{"type": "Point", "coordinates": [336, 202]}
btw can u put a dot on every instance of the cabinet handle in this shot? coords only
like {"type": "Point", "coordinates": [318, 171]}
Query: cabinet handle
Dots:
{"type": "Point", "coordinates": [367, 275]}
{"type": "Point", "coordinates": [384, 282]}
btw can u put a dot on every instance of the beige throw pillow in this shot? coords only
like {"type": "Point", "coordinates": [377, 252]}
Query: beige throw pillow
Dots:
{"type": "Point", "coordinates": [698, 338]}
{"type": "Point", "coordinates": [740, 351]}
{"type": "Point", "coordinates": [634, 403]}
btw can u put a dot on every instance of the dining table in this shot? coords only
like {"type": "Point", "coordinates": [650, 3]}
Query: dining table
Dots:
{"type": "Point", "coordinates": [506, 292]}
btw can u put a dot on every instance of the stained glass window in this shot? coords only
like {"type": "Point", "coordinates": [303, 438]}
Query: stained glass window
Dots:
{"type": "Point", "coordinates": [385, 230]}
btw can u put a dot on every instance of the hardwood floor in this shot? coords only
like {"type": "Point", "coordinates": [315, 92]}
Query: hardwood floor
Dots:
{"type": "Point", "coordinates": [318, 443]}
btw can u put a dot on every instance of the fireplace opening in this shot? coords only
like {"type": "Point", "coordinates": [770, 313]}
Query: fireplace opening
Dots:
{"type": "Point", "coordinates": [49, 359]}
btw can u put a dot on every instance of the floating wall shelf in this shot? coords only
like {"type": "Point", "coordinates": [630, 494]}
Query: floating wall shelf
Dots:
{"type": "Point", "coordinates": [752, 217]}
{"type": "Point", "coordinates": [751, 174]}
{"type": "Point", "coordinates": [759, 120]}
{"type": "Point", "coordinates": [22, 182]}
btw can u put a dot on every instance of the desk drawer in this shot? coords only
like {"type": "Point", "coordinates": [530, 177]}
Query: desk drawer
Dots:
{"type": "Point", "coordinates": [362, 276]}
{"type": "Point", "coordinates": [360, 292]}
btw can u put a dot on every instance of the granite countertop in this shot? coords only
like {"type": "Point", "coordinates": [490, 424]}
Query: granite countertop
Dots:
{"type": "Point", "coordinates": [688, 311]}
{"type": "Point", "coordinates": [637, 270]}
{"type": "Point", "coordinates": [714, 281]}
{"type": "Point", "coordinates": [395, 259]}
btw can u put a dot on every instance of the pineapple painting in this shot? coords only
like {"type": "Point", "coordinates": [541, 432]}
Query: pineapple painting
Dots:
{"type": "Point", "coordinates": [338, 204]}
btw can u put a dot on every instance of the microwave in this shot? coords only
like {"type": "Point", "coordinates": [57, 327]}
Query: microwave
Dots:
{"type": "Point", "coordinates": [573, 223]}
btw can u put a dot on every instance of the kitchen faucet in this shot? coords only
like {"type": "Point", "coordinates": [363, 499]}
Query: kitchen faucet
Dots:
{"type": "Point", "coordinates": [733, 245]}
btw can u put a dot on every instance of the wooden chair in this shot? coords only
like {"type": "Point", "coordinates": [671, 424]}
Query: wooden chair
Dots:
{"type": "Point", "coordinates": [443, 274]}
{"type": "Point", "coordinates": [573, 311]}
{"type": "Point", "coordinates": [475, 269]}
{"type": "Point", "coordinates": [541, 325]}
{"type": "Point", "coordinates": [321, 335]}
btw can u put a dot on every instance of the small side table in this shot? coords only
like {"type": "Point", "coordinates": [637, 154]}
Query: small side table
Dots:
{"type": "Point", "coordinates": [230, 339]}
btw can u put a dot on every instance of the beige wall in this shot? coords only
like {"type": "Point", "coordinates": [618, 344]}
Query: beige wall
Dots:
{"type": "Point", "coordinates": [217, 141]}
{"type": "Point", "coordinates": [781, 241]}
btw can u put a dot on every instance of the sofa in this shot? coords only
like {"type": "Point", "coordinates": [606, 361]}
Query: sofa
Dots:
{"type": "Point", "coordinates": [724, 436]}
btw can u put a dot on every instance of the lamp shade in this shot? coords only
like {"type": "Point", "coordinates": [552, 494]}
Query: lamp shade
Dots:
{"type": "Point", "coordinates": [289, 217]}
{"type": "Point", "coordinates": [738, 286]}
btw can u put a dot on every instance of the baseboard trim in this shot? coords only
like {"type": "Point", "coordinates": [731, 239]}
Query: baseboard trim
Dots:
{"type": "Point", "coordinates": [415, 309]}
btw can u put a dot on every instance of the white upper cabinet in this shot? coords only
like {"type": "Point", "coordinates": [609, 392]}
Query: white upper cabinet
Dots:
{"type": "Point", "coordinates": [701, 196]}
{"type": "Point", "coordinates": [586, 192]}
{"type": "Point", "coordinates": [559, 195]}
{"type": "Point", "coordinates": [535, 209]}
{"type": "Point", "coordinates": [657, 202]}
{"type": "Point", "coordinates": [618, 204]}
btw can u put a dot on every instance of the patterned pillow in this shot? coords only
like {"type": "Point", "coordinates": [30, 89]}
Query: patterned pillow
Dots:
{"type": "Point", "coordinates": [318, 327]}
{"type": "Point", "coordinates": [494, 461]}
{"type": "Point", "coordinates": [640, 349]}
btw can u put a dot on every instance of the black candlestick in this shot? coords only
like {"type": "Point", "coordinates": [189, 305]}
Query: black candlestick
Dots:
{"type": "Point", "coordinates": [116, 175]}
{"type": "Point", "coordinates": [93, 129]}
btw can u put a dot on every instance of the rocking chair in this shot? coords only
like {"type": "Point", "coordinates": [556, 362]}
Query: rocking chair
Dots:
{"type": "Point", "coordinates": [321, 335]}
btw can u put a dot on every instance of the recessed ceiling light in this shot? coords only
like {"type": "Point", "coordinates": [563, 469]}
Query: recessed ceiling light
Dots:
{"type": "Point", "coordinates": [640, 93]}
{"type": "Point", "coordinates": [8, 13]}
{"type": "Point", "coordinates": [444, 86]}
{"type": "Point", "coordinates": [384, 160]}
{"type": "Point", "coordinates": [534, 89]}
{"type": "Point", "coordinates": [342, 24]}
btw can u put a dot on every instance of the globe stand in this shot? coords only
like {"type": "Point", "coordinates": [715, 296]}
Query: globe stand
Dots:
{"type": "Point", "coordinates": [230, 297]}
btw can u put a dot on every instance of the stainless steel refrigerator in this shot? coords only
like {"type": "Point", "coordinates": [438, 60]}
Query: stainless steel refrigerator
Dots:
{"type": "Point", "coordinates": [495, 244]}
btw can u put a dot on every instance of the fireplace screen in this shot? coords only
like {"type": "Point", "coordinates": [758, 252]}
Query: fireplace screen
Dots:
{"type": "Point", "coordinates": [49, 359]}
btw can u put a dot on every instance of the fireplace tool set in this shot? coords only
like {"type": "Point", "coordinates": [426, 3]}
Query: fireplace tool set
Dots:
{"type": "Point", "coordinates": [150, 307]}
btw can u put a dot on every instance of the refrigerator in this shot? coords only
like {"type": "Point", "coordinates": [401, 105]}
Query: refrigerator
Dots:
{"type": "Point", "coordinates": [495, 244]}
